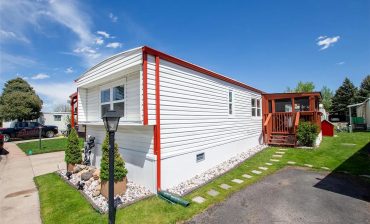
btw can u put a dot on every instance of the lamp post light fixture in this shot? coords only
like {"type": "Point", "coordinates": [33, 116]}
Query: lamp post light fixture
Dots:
{"type": "Point", "coordinates": [111, 120]}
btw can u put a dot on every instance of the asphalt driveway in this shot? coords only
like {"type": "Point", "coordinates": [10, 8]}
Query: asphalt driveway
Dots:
{"type": "Point", "coordinates": [295, 195]}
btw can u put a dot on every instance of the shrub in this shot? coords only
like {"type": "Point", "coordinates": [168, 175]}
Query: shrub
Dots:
{"type": "Point", "coordinates": [307, 133]}
{"type": "Point", "coordinates": [73, 152]}
{"type": "Point", "coordinates": [120, 170]}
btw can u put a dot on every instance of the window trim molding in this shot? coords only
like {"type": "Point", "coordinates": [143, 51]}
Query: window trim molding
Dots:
{"type": "Point", "coordinates": [232, 103]}
{"type": "Point", "coordinates": [256, 107]}
{"type": "Point", "coordinates": [111, 86]}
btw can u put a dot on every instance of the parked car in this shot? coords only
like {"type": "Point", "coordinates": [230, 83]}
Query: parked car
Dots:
{"type": "Point", "coordinates": [1, 141]}
{"type": "Point", "coordinates": [28, 130]}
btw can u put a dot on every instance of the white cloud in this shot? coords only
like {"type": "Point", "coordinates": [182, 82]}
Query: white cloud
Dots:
{"type": "Point", "coordinates": [40, 76]}
{"type": "Point", "coordinates": [114, 45]}
{"type": "Point", "coordinates": [113, 17]}
{"type": "Point", "coordinates": [53, 93]}
{"type": "Point", "coordinates": [69, 70]}
{"type": "Point", "coordinates": [9, 35]}
{"type": "Point", "coordinates": [103, 33]}
{"type": "Point", "coordinates": [326, 42]}
{"type": "Point", "coordinates": [341, 63]}
{"type": "Point", "coordinates": [99, 41]}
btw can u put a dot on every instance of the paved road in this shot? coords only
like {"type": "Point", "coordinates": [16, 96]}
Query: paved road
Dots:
{"type": "Point", "coordinates": [295, 196]}
{"type": "Point", "coordinates": [19, 201]}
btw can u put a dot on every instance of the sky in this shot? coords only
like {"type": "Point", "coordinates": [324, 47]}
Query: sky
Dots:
{"type": "Point", "coordinates": [269, 45]}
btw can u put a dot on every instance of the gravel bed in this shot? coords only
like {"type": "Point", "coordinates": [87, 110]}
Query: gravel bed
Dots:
{"type": "Point", "coordinates": [91, 190]}
{"type": "Point", "coordinates": [207, 176]}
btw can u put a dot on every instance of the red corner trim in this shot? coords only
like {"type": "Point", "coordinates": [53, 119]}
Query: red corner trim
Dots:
{"type": "Point", "coordinates": [158, 123]}
{"type": "Point", "coordinates": [197, 68]}
{"type": "Point", "coordinates": [145, 88]}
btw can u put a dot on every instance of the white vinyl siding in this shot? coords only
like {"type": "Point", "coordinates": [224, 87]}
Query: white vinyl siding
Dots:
{"type": "Point", "coordinates": [92, 99]}
{"type": "Point", "coordinates": [195, 110]}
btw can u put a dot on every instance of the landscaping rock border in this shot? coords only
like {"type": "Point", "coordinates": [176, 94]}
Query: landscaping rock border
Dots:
{"type": "Point", "coordinates": [91, 190]}
{"type": "Point", "coordinates": [196, 182]}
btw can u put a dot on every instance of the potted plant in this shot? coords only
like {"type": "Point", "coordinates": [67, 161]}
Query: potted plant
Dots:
{"type": "Point", "coordinates": [120, 171]}
{"type": "Point", "coordinates": [73, 154]}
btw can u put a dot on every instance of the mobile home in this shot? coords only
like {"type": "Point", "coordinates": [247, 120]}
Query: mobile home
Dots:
{"type": "Point", "coordinates": [178, 119]}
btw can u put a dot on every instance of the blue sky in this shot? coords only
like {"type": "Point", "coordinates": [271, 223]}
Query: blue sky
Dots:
{"type": "Point", "coordinates": [267, 44]}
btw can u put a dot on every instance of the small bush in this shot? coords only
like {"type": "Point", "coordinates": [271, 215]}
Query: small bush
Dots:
{"type": "Point", "coordinates": [120, 170]}
{"type": "Point", "coordinates": [73, 151]}
{"type": "Point", "coordinates": [307, 133]}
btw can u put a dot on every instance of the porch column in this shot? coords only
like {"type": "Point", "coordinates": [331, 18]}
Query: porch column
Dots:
{"type": "Point", "coordinates": [273, 106]}
{"type": "Point", "coordinates": [293, 107]}
{"type": "Point", "coordinates": [312, 103]}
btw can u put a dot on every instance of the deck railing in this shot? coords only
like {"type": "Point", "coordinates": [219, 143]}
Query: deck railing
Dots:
{"type": "Point", "coordinates": [286, 123]}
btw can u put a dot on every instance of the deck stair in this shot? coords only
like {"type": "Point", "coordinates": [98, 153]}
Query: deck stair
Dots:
{"type": "Point", "coordinates": [282, 140]}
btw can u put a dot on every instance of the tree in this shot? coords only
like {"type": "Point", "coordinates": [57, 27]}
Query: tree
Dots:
{"type": "Point", "coordinates": [302, 87]}
{"type": "Point", "coordinates": [327, 96]}
{"type": "Point", "coordinates": [62, 108]}
{"type": "Point", "coordinates": [364, 91]}
{"type": "Point", "coordinates": [345, 95]}
{"type": "Point", "coordinates": [73, 153]}
{"type": "Point", "coordinates": [120, 170]}
{"type": "Point", "coordinates": [19, 101]}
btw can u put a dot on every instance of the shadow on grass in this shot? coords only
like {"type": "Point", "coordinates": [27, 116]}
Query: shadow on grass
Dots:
{"type": "Point", "coordinates": [341, 182]}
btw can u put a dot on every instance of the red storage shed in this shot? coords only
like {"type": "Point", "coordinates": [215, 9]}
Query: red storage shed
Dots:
{"type": "Point", "coordinates": [327, 128]}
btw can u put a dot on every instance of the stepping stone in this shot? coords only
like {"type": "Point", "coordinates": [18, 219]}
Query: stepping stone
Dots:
{"type": "Point", "coordinates": [263, 168]}
{"type": "Point", "coordinates": [198, 199]}
{"type": "Point", "coordinates": [247, 176]}
{"type": "Point", "coordinates": [291, 162]}
{"type": "Point", "coordinates": [225, 186]}
{"type": "Point", "coordinates": [274, 160]}
{"type": "Point", "coordinates": [325, 168]}
{"type": "Point", "coordinates": [308, 165]}
{"type": "Point", "coordinates": [277, 156]}
{"type": "Point", "coordinates": [213, 193]}
{"type": "Point", "coordinates": [348, 144]}
{"type": "Point", "coordinates": [256, 172]}
{"type": "Point", "coordinates": [280, 152]}
{"type": "Point", "coordinates": [268, 164]}
{"type": "Point", "coordinates": [368, 176]}
{"type": "Point", "coordinates": [282, 149]}
{"type": "Point", "coordinates": [238, 181]}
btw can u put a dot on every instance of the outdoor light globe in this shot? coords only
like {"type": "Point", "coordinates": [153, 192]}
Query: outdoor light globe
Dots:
{"type": "Point", "coordinates": [111, 120]}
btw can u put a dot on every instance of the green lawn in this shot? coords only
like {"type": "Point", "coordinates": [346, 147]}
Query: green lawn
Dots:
{"type": "Point", "coordinates": [50, 145]}
{"type": "Point", "coordinates": [61, 203]}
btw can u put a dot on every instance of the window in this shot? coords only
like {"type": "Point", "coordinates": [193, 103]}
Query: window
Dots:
{"type": "Point", "coordinates": [231, 102]}
{"type": "Point", "coordinates": [57, 117]}
{"type": "Point", "coordinates": [256, 107]}
{"type": "Point", "coordinates": [113, 99]}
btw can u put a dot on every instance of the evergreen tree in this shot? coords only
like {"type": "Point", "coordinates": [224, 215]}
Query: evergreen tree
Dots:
{"type": "Point", "coordinates": [327, 96]}
{"type": "Point", "coordinates": [345, 95]}
{"type": "Point", "coordinates": [364, 91]}
{"type": "Point", "coordinates": [73, 153]}
{"type": "Point", "coordinates": [120, 170]}
{"type": "Point", "coordinates": [19, 101]}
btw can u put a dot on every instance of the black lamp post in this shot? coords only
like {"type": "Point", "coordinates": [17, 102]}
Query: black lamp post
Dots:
{"type": "Point", "coordinates": [111, 120]}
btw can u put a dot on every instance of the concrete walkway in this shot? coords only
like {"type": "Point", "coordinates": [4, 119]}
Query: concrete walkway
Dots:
{"type": "Point", "coordinates": [19, 201]}
{"type": "Point", "coordinates": [47, 162]}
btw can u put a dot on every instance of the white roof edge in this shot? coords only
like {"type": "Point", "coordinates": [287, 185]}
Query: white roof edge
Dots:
{"type": "Point", "coordinates": [108, 59]}
{"type": "Point", "coordinates": [358, 104]}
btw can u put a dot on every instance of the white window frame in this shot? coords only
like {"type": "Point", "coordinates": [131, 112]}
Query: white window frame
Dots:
{"type": "Point", "coordinates": [232, 103]}
{"type": "Point", "coordinates": [256, 107]}
{"type": "Point", "coordinates": [111, 102]}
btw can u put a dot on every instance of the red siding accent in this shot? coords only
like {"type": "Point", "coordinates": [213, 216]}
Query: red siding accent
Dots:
{"type": "Point", "coordinates": [145, 88]}
{"type": "Point", "coordinates": [197, 68]}
{"type": "Point", "coordinates": [158, 123]}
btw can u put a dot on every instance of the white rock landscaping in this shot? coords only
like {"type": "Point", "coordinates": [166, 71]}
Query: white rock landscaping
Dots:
{"type": "Point", "coordinates": [203, 178]}
{"type": "Point", "coordinates": [91, 188]}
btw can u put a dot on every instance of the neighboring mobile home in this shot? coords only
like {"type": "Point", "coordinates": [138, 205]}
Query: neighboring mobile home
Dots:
{"type": "Point", "coordinates": [178, 119]}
